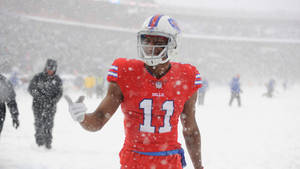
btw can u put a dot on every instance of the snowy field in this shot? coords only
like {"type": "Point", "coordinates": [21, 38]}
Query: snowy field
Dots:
{"type": "Point", "coordinates": [262, 134]}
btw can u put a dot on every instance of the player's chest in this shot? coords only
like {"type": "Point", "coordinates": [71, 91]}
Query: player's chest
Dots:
{"type": "Point", "coordinates": [167, 88]}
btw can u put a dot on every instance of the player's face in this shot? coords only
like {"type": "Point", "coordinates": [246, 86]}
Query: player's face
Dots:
{"type": "Point", "coordinates": [154, 44]}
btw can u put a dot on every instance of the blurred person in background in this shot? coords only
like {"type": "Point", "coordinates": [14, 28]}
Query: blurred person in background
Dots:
{"type": "Point", "coordinates": [78, 82]}
{"type": "Point", "coordinates": [235, 88]}
{"type": "Point", "coordinates": [8, 97]}
{"type": "Point", "coordinates": [153, 93]}
{"type": "Point", "coordinates": [100, 86]}
{"type": "Point", "coordinates": [14, 79]}
{"type": "Point", "coordinates": [46, 89]}
{"type": "Point", "coordinates": [202, 92]}
{"type": "Point", "coordinates": [90, 84]}
{"type": "Point", "coordinates": [285, 85]}
{"type": "Point", "coordinates": [270, 86]}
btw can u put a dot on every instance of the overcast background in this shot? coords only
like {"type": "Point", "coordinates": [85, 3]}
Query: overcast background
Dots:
{"type": "Point", "coordinates": [221, 38]}
{"type": "Point", "coordinates": [258, 39]}
{"type": "Point", "coordinates": [254, 5]}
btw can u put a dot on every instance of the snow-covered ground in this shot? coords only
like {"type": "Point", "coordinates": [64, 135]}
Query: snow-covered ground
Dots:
{"type": "Point", "coordinates": [262, 134]}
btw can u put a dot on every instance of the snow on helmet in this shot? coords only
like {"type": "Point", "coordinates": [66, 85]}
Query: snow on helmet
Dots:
{"type": "Point", "coordinates": [159, 25]}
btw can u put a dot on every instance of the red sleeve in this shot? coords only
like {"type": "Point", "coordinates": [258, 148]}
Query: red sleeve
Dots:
{"type": "Point", "coordinates": [196, 80]}
{"type": "Point", "coordinates": [114, 71]}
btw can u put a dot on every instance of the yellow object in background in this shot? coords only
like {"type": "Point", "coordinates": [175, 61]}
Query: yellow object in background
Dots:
{"type": "Point", "coordinates": [90, 82]}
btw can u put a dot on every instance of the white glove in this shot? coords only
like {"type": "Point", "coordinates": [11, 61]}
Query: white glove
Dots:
{"type": "Point", "coordinates": [77, 109]}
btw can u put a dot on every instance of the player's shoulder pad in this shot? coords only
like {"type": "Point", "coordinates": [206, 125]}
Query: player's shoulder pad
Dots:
{"type": "Point", "coordinates": [125, 62]}
{"type": "Point", "coordinates": [186, 67]}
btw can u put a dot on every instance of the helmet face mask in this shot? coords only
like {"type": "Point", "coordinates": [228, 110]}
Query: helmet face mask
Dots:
{"type": "Point", "coordinates": [153, 47]}
{"type": "Point", "coordinates": [157, 43]}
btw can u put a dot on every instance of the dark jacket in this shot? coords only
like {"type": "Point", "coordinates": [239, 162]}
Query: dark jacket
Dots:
{"type": "Point", "coordinates": [7, 95]}
{"type": "Point", "coordinates": [46, 89]}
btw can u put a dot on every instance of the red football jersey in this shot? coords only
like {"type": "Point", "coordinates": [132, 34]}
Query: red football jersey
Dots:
{"type": "Point", "coordinates": [152, 106]}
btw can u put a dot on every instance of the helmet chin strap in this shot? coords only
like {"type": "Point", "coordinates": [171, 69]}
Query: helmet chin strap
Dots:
{"type": "Point", "coordinates": [155, 62]}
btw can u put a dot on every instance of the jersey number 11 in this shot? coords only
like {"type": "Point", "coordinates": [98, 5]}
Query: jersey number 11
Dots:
{"type": "Point", "coordinates": [146, 105]}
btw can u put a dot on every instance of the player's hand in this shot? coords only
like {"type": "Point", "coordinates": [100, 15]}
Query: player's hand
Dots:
{"type": "Point", "coordinates": [16, 123]}
{"type": "Point", "coordinates": [77, 109]}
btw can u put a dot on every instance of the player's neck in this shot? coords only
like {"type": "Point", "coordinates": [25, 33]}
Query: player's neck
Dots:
{"type": "Point", "coordinates": [160, 70]}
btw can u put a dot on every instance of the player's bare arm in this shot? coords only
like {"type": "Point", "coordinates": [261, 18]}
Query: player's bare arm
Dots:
{"type": "Point", "coordinates": [191, 131]}
{"type": "Point", "coordinates": [109, 105]}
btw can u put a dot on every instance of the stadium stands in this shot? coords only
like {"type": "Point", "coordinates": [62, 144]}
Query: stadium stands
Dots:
{"type": "Point", "coordinates": [86, 34]}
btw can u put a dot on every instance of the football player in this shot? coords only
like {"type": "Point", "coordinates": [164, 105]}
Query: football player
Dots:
{"type": "Point", "coordinates": [153, 93]}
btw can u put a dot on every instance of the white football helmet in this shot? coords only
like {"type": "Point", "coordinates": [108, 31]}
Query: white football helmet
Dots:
{"type": "Point", "coordinates": [159, 25]}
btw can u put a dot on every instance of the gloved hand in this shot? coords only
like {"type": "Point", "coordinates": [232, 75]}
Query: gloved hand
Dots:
{"type": "Point", "coordinates": [77, 109]}
{"type": "Point", "coordinates": [16, 123]}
